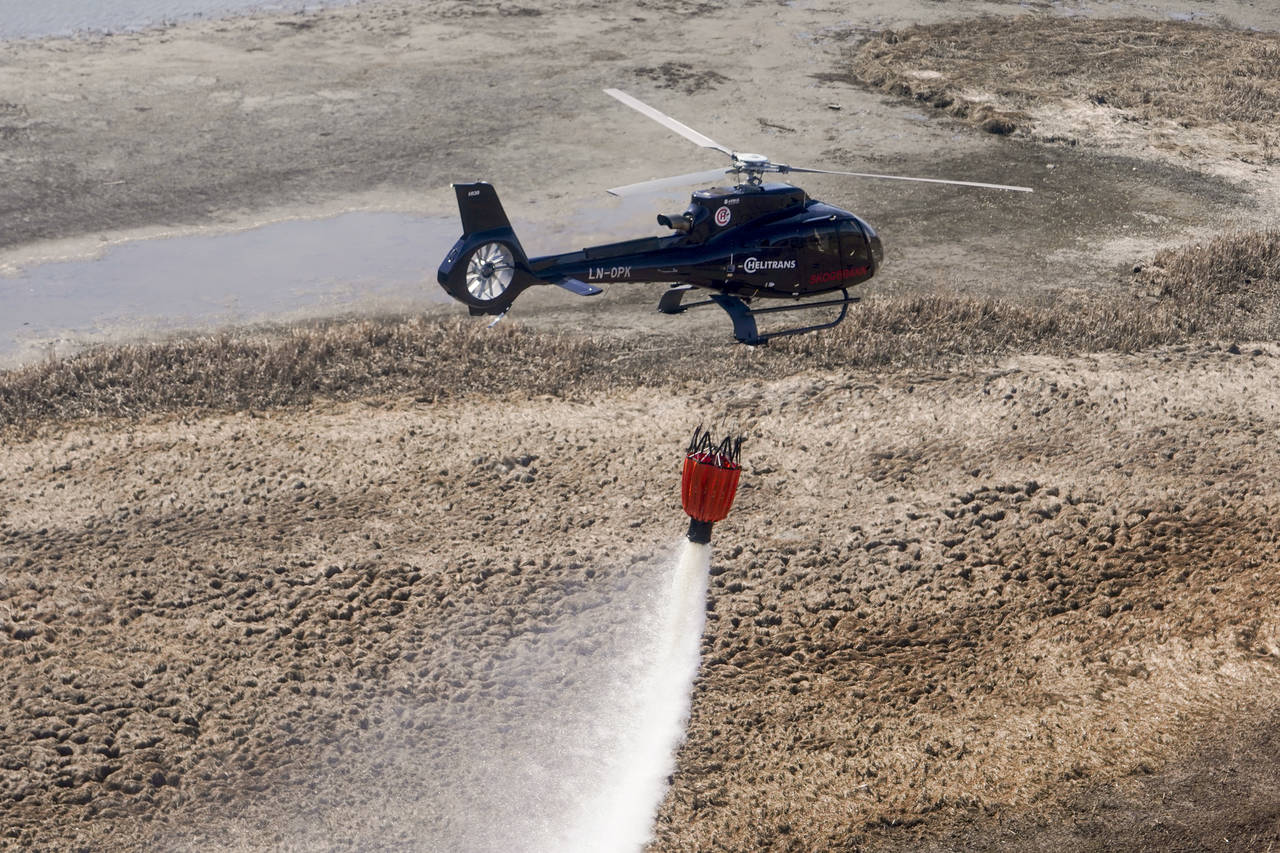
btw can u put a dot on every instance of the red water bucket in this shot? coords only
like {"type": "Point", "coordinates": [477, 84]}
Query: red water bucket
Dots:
{"type": "Point", "coordinates": [709, 482]}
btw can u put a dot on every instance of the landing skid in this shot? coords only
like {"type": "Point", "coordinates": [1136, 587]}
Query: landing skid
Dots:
{"type": "Point", "coordinates": [744, 317]}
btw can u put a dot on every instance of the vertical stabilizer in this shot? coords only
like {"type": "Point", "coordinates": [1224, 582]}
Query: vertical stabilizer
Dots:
{"type": "Point", "coordinates": [479, 208]}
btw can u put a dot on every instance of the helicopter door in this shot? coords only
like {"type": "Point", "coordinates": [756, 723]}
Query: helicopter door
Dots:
{"type": "Point", "coordinates": [820, 256]}
{"type": "Point", "coordinates": [771, 266]}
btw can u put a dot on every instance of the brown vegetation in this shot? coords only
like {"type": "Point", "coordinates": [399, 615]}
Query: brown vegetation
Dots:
{"type": "Point", "coordinates": [1014, 606]}
{"type": "Point", "coordinates": [993, 70]}
{"type": "Point", "coordinates": [940, 597]}
{"type": "Point", "coordinates": [238, 369]}
{"type": "Point", "coordinates": [1227, 289]}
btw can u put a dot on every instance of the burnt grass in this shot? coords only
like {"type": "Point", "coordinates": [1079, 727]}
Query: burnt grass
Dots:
{"type": "Point", "coordinates": [1224, 290]}
{"type": "Point", "coordinates": [1187, 73]}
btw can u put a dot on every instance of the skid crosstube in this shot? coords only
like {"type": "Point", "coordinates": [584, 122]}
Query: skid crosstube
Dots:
{"type": "Point", "coordinates": [744, 316]}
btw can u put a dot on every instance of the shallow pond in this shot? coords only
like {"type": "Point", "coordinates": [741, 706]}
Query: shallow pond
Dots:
{"type": "Point", "coordinates": [355, 263]}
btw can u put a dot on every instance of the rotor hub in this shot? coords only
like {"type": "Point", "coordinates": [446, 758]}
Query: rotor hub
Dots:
{"type": "Point", "coordinates": [754, 165]}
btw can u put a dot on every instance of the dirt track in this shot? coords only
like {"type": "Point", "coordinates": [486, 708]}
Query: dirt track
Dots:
{"type": "Point", "coordinates": [1009, 605]}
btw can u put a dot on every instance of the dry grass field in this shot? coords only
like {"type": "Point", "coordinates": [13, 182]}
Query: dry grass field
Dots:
{"type": "Point", "coordinates": [958, 592]}
{"type": "Point", "coordinates": [1227, 289]}
{"type": "Point", "coordinates": [1001, 575]}
{"type": "Point", "coordinates": [1001, 73]}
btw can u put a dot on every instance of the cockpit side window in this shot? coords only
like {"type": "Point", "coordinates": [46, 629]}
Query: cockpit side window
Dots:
{"type": "Point", "coordinates": [822, 240]}
{"type": "Point", "coordinates": [853, 244]}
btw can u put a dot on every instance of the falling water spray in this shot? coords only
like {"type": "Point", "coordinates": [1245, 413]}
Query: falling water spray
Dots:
{"type": "Point", "coordinates": [621, 818]}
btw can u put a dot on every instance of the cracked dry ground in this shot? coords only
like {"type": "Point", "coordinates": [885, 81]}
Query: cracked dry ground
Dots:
{"type": "Point", "coordinates": [946, 608]}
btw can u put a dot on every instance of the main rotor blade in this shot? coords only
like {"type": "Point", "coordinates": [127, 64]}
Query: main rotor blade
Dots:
{"type": "Point", "coordinates": [904, 178]}
{"type": "Point", "coordinates": [667, 121]}
{"type": "Point", "coordinates": [667, 183]}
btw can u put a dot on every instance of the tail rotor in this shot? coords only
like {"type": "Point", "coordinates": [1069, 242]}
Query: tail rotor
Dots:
{"type": "Point", "coordinates": [487, 268]}
{"type": "Point", "coordinates": [490, 271]}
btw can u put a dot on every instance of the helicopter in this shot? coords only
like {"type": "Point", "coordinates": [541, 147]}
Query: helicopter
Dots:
{"type": "Point", "coordinates": [755, 240]}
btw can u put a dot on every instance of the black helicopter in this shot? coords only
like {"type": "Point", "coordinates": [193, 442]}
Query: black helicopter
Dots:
{"type": "Point", "coordinates": [755, 240]}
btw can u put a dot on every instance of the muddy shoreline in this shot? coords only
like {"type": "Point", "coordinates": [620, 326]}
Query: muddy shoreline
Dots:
{"type": "Point", "coordinates": [380, 106]}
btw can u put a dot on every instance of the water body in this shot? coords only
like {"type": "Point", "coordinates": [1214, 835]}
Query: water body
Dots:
{"type": "Point", "coordinates": [356, 263]}
{"type": "Point", "coordinates": [36, 18]}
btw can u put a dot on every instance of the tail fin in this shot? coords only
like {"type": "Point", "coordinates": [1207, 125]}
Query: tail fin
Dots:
{"type": "Point", "coordinates": [479, 207]}
{"type": "Point", "coordinates": [487, 268]}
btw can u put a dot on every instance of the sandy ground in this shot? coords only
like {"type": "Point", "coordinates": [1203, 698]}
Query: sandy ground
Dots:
{"type": "Point", "coordinates": [1014, 606]}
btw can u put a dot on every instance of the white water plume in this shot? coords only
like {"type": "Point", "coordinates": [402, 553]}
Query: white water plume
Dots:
{"type": "Point", "coordinates": [620, 816]}
{"type": "Point", "coordinates": [555, 735]}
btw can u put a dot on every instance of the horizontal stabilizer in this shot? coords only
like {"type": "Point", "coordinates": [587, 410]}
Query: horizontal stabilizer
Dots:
{"type": "Point", "coordinates": [581, 288]}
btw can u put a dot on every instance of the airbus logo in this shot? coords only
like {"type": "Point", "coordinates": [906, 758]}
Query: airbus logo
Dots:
{"type": "Point", "coordinates": [753, 265]}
